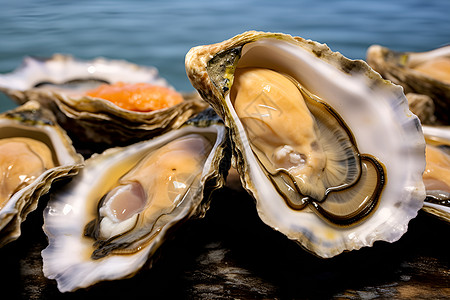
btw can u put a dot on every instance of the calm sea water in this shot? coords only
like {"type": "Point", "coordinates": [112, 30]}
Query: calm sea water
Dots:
{"type": "Point", "coordinates": [159, 33]}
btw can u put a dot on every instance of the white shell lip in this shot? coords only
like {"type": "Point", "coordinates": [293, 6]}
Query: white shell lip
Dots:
{"type": "Point", "coordinates": [419, 57]}
{"type": "Point", "coordinates": [375, 110]}
{"type": "Point", "coordinates": [67, 257]}
{"type": "Point", "coordinates": [61, 68]}
{"type": "Point", "coordinates": [438, 132]}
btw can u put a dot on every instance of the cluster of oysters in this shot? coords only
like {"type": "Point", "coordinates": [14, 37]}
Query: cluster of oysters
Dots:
{"type": "Point", "coordinates": [328, 149]}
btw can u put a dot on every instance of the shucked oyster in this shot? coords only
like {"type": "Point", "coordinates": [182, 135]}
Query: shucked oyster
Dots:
{"type": "Point", "coordinates": [328, 149]}
{"type": "Point", "coordinates": [65, 85]}
{"type": "Point", "coordinates": [111, 218]}
{"type": "Point", "coordinates": [437, 172]}
{"type": "Point", "coordinates": [425, 73]}
{"type": "Point", "coordinates": [34, 151]}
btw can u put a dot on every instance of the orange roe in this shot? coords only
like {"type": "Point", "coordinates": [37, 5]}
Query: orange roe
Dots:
{"type": "Point", "coordinates": [141, 97]}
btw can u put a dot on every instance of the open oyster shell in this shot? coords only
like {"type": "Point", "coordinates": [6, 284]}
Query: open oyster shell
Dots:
{"type": "Point", "coordinates": [437, 171]}
{"type": "Point", "coordinates": [424, 73]}
{"type": "Point", "coordinates": [59, 82]}
{"type": "Point", "coordinates": [93, 236]}
{"type": "Point", "coordinates": [28, 172]}
{"type": "Point", "coordinates": [357, 175]}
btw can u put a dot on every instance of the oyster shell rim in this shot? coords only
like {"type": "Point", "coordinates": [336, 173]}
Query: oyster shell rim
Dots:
{"type": "Point", "coordinates": [212, 178]}
{"type": "Point", "coordinates": [392, 65]}
{"type": "Point", "coordinates": [437, 202]}
{"type": "Point", "coordinates": [76, 121]}
{"type": "Point", "coordinates": [214, 91]}
{"type": "Point", "coordinates": [32, 117]}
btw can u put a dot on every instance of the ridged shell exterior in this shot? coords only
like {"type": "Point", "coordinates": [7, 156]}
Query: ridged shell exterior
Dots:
{"type": "Point", "coordinates": [94, 120]}
{"type": "Point", "coordinates": [67, 257]}
{"type": "Point", "coordinates": [210, 69]}
{"type": "Point", "coordinates": [30, 120]}
{"type": "Point", "coordinates": [395, 66]}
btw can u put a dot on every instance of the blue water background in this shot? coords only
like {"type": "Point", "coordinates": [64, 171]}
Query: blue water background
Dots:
{"type": "Point", "coordinates": [159, 33]}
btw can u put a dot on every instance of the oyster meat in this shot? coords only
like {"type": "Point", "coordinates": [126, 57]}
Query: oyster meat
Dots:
{"type": "Point", "coordinates": [437, 172]}
{"type": "Point", "coordinates": [34, 151]}
{"type": "Point", "coordinates": [68, 87]}
{"type": "Point", "coordinates": [328, 149]}
{"type": "Point", "coordinates": [423, 73]}
{"type": "Point", "coordinates": [109, 221]}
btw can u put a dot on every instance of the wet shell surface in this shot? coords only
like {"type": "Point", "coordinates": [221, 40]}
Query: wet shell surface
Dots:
{"type": "Point", "coordinates": [423, 73]}
{"type": "Point", "coordinates": [109, 221]}
{"type": "Point", "coordinates": [437, 172]}
{"type": "Point", "coordinates": [328, 149]}
{"type": "Point", "coordinates": [34, 152]}
{"type": "Point", "coordinates": [60, 82]}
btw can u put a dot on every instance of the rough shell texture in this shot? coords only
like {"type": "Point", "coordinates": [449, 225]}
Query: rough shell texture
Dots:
{"type": "Point", "coordinates": [396, 67]}
{"type": "Point", "coordinates": [31, 121]}
{"type": "Point", "coordinates": [67, 258]}
{"type": "Point", "coordinates": [373, 108]}
{"type": "Point", "coordinates": [89, 119]}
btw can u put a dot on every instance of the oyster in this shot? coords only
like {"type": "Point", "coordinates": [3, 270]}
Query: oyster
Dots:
{"type": "Point", "coordinates": [426, 73]}
{"type": "Point", "coordinates": [34, 151]}
{"type": "Point", "coordinates": [328, 149]}
{"type": "Point", "coordinates": [61, 83]}
{"type": "Point", "coordinates": [437, 172]}
{"type": "Point", "coordinates": [115, 214]}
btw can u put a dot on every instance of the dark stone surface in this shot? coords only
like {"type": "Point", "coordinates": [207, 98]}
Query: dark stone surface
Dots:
{"type": "Point", "coordinates": [232, 254]}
